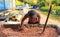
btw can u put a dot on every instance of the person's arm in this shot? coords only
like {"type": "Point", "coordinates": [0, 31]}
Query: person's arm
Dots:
{"type": "Point", "coordinates": [23, 19]}
{"type": "Point", "coordinates": [20, 27]}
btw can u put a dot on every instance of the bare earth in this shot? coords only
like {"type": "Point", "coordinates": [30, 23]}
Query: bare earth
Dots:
{"type": "Point", "coordinates": [29, 32]}
{"type": "Point", "coordinates": [50, 21]}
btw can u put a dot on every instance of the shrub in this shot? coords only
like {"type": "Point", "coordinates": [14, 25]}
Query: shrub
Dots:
{"type": "Point", "coordinates": [44, 8]}
{"type": "Point", "coordinates": [42, 3]}
{"type": "Point", "coordinates": [57, 8]}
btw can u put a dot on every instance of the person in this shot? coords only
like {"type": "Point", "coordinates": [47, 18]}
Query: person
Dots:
{"type": "Point", "coordinates": [33, 18]}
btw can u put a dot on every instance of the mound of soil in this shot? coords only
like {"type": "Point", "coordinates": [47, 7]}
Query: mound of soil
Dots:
{"type": "Point", "coordinates": [28, 32]}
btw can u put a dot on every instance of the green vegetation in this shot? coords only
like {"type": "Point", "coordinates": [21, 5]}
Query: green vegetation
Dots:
{"type": "Point", "coordinates": [31, 2]}
{"type": "Point", "coordinates": [40, 3]}
{"type": "Point", "coordinates": [57, 8]}
{"type": "Point", "coordinates": [44, 9]}
{"type": "Point", "coordinates": [19, 3]}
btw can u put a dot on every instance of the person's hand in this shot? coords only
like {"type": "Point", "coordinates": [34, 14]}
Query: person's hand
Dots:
{"type": "Point", "coordinates": [20, 28]}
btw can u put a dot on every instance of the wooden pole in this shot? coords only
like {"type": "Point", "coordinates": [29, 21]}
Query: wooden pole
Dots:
{"type": "Point", "coordinates": [47, 18]}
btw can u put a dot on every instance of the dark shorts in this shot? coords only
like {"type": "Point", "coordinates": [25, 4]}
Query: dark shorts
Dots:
{"type": "Point", "coordinates": [33, 23]}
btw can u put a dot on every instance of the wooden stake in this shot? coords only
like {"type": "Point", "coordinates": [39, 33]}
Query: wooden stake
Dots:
{"type": "Point", "coordinates": [47, 18]}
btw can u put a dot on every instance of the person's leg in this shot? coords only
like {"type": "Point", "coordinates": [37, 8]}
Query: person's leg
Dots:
{"type": "Point", "coordinates": [32, 23]}
{"type": "Point", "coordinates": [35, 24]}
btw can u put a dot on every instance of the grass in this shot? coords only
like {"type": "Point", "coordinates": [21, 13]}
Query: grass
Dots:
{"type": "Point", "coordinates": [52, 16]}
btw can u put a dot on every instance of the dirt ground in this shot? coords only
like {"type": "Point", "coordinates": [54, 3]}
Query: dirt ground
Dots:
{"type": "Point", "coordinates": [50, 21]}
{"type": "Point", "coordinates": [28, 32]}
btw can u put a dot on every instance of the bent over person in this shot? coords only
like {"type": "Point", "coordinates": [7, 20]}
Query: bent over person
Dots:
{"type": "Point", "coordinates": [33, 18]}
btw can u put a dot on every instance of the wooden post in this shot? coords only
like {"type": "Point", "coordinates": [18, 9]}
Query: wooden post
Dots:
{"type": "Point", "coordinates": [13, 4]}
{"type": "Point", "coordinates": [47, 18]}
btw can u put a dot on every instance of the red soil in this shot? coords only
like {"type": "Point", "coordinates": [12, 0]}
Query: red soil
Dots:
{"type": "Point", "coordinates": [28, 32]}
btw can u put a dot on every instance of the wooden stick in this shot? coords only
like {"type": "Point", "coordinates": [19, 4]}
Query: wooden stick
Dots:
{"type": "Point", "coordinates": [47, 18]}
